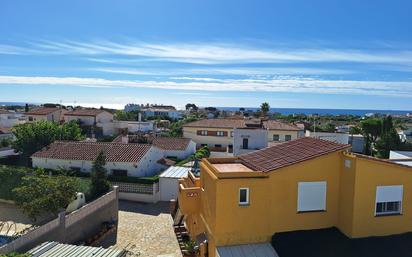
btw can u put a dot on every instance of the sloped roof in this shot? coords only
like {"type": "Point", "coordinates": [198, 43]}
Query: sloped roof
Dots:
{"type": "Point", "coordinates": [42, 111]}
{"type": "Point", "coordinates": [240, 123]}
{"type": "Point", "coordinates": [85, 112]}
{"type": "Point", "coordinates": [88, 151]}
{"type": "Point", "coordinates": [2, 111]}
{"type": "Point", "coordinates": [171, 143]}
{"type": "Point", "coordinates": [58, 249]}
{"type": "Point", "coordinates": [175, 172]}
{"type": "Point", "coordinates": [289, 153]}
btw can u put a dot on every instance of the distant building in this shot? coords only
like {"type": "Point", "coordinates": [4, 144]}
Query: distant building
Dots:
{"type": "Point", "coordinates": [132, 107]}
{"type": "Point", "coordinates": [162, 111]}
{"type": "Point", "coordinates": [9, 119]}
{"type": "Point", "coordinates": [341, 138]}
{"type": "Point", "coordinates": [45, 113]}
{"type": "Point", "coordinates": [92, 117]}
{"type": "Point", "coordinates": [249, 139]}
{"type": "Point", "coordinates": [401, 157]}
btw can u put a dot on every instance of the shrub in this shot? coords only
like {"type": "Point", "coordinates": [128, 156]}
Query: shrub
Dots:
{"type": "Point", "coordinates": [10, 177]}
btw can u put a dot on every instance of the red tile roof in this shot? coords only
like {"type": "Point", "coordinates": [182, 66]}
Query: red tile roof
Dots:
{"type": "Point", "coordinates": [42, 111]}
{"type": "Point", "coordinates": [240, 123]}
{"type": "Point", "coordinates": [88, 151]}
{"type": "Point", "coordinates": [289, 153]}
{"type": "Point", "coordinates": [171, 143]}
{"type": "Point", "coordinates": [84, 112]}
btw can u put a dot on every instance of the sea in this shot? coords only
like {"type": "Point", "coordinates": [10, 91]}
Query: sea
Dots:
{"type": "Point", "coordinates": [288, 111]}
{"type": "Point", "coordinates": [321, 112]}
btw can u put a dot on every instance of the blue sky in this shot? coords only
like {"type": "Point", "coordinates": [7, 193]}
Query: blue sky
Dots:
{"type": "Point", "coordinates": [303, 54]}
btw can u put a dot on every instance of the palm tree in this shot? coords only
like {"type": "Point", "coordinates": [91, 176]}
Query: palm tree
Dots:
{"type": "Point", "coordinates": [264, 108]}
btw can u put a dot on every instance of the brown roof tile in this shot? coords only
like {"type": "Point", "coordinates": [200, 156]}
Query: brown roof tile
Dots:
{"type": "Point", "coordinates": [171, 143]}
{"type": "Point", "coordinates": [289, 153]}
{"type": "Point", "coordinates": [85, 112]}
{"type": "Point", "coordinates": [42, 111]}
{"type": "Point", "coordinates": [240, 123]}
{"type": "Point", "coordinates": [88, 151]}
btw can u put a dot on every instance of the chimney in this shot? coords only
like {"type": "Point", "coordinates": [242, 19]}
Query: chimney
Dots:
{"type": "Point", "coordinates": [140, 117]}
{"type": "Point", "coordinates": [125, 139]}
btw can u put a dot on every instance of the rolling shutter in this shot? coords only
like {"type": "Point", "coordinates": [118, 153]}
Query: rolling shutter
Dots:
{"type": "Point", "coordinates": [389, 194]}
{"type": "Point", "coordinates": [311, 196]}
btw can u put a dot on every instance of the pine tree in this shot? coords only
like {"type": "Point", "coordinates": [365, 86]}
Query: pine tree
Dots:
{"type": "Point", "coordinates": [100, 184]}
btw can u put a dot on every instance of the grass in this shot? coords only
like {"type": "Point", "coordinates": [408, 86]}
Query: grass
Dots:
{"type": "Point", "coordinates": [331, 242]}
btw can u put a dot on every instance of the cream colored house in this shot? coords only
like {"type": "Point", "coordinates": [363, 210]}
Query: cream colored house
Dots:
{"type": "Point", "coordinates": [92, 117]}
{"type": "Point", "coordinates": [217, 134]}
{"type": "Point", "coordinates": [45, 113]}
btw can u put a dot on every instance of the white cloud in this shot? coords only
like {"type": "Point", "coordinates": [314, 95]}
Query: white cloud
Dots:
{"type": "Point", "coordinates": [212, 53]}
{"type": "Point", "coordinates": [276, 84]}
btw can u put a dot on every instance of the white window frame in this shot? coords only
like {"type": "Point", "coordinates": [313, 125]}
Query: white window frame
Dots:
{"type": "Point", "coordinates": [247, 196]}
{"type": "Point", "coordinates": [319, 205]}
{"type": "Point", "coordinates": [220, 133]}
{"type": "Point", "coordinates": [394, 193]}
{"type": "Point", "coordinates": [203, 132]}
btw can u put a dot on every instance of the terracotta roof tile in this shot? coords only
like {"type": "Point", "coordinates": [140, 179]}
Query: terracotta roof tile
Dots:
{"type": "Point", "coordinates": [88, 151]}
{"type": "Point", "coordinates": [240, 123]}
{"type": "Point", "coordinates": [42, 111]}
{"type": "Point", "coordinates": [85, 112]}
{"type": "Point", "coordinates": [289, 153]}
{"type": "Point", "coordinates": [171, 143]}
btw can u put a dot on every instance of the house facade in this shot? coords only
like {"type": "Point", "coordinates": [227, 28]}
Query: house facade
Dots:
{"type": "Point", "coordinates": [46, 114]}
{"type": "Point", "coordinates": [303, 184]}
{"type": "Point", "coordinates": [218, 133]}
{"type": "Point", "coordinates": [92, 117]}
{"type": "Point", "coordinates": [137, 160]}
{"type": "Point", "coordinates": [9, 119]}
{"type": "Point", "coordinates": [180, 148]}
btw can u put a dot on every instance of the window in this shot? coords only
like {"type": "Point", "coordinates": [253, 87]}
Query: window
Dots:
{"type": "Point", "coordinates": [220, 133]}
{"type": "Point", "coordinates": [243, 196]}
{"type": "Point", "coordinates": [388, 200]}
{"type": "Point", "coordinates": [203, 145]}
{"type": "Point", "coordinates": [245, 144]}
{"type": "Point", "coordinates": [311, 196]}
{"type": "Point", "coordinates": [217, 145]}
{"type": "Point", "coordinates": [288, 137]}
{"type": "Point", "coordinates": [275, 137]}
{"type": "Point", "coordinates": [203, 132]}
{"type": "Point", "coordinates": [30, 118]}
{"type": "Point", "coordinates": [122, 173]}
{"type": "Point", "coordinates": [231, 133]}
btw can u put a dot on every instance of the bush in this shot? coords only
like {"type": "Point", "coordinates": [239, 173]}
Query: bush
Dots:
{"type": "Point", "coordinates": [142, 180]}
{"type": "Point", "coordinates": [10, 177]}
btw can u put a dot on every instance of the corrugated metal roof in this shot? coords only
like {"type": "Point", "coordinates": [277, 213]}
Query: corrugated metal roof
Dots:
{"type": "Point", "coordinates": [175, 172]}
{"type": "Point", "coordinates": [248, 250]}
{"type": "Point", "coordinates": [65, 250]}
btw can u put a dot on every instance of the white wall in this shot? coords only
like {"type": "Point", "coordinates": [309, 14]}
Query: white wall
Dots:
{"type": "Point", "coordinates": [10, 120]}
{"type": "Point", "coordinates": [341, 138]}
{"type": "Point", "coordinates": [169, 188]}
{"type": "Point", "coordinates": [400, 155]}
{"type": "Point", "coordinates": [257, 139]}
{"type": "Point", "coordinates": [182, 154]}
{"type": "Point", "coordinates": [147, 166]}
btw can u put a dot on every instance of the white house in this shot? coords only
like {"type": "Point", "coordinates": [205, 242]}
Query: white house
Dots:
{"type": "Point", "coordinates": [180, 148]}
{"type": "Point", "coordinates": [45, 113]}
{"type": "Point", "coordinates": [401, 157]}
{"type": "Point", "coordinates": [165, 111]}
{"type": "Point", "coordinates": [341, 138]}
{"type": "Point", "coordinates": [9, 119]}
{"type": "Point", "coordinates": [92, 117]}
{"type": "Point", "coordinates": [138, 160]}
{"type": "Point", "coordinates": [135, 126]}
{"type": "Point", "coordinates": [169, 182]}
{"type": "Point", "coordinates": [249, 139]}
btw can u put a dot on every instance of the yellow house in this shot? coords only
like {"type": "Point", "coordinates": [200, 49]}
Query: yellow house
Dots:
{"type": "Point", "coordinates": [302, 184]}
{"type": "Point", "coordinates": [217, 134]}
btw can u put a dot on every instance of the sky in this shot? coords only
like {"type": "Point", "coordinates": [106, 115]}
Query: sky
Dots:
{"type": "Point", "coordinates": [345, 54]}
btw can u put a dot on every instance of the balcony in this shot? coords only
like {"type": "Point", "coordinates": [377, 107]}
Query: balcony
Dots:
{"type": "Point", "coordinates": [189, 194]}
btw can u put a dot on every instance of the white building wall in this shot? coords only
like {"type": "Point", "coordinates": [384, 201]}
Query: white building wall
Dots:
{"type": "Point", "coordinates": [169, 188]}
{"type": "Point", "coordinates": [257, 139]}
{"type": "Point", "coordinates": [181, 154]}
{"type": "Point", "coordinates": [341, 138]}
{"type": "Point", "coordinates": [148, 165]}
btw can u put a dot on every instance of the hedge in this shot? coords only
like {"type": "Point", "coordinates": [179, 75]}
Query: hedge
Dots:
{"type": "Point", "coordinates": [10, 177]}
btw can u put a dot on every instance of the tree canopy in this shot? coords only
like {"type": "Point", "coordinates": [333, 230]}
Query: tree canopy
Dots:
{"type": "Point", "coordinates": [100, 184]}
{"type": "Point", "coordinates": [31, 137]}
{"type": "Point", "coordinates": [264, 108]}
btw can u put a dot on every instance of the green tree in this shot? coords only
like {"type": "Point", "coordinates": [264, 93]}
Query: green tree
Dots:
{"type": "Point", "coordinates": [372, 129]}
{"type": "Point", "coordinates": [31, 137]}
{"type": "Point", "coordinates": [40, 194]}
{"type": "Point", "coordinates": [355, 130]}
{"type": "Point", "coordinates": [127, 116]}
{"type": "Point", "coordinates": [389, 139]}
{"type": "Point", "coordinates": [264, 108]}
{"type": "Point", "coordinates": [100, 184]}
{"type": "Point", "coordinates": [71, 131]}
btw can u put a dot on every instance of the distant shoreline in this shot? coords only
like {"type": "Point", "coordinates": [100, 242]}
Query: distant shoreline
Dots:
{"type": "Point", "coordinates": [288, 111]}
